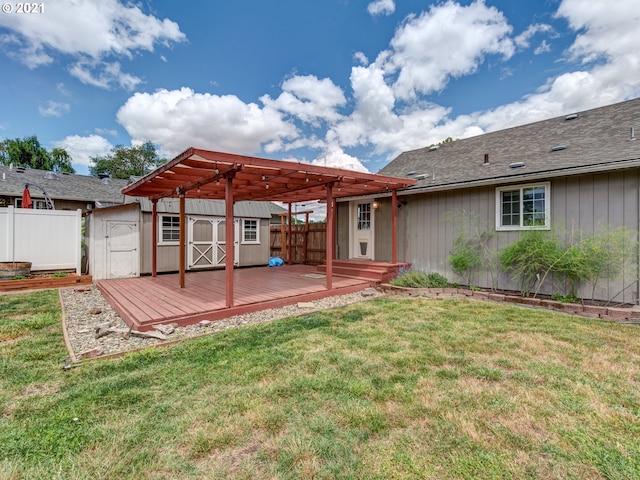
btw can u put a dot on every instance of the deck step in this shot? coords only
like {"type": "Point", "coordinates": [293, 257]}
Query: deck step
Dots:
{"type": "Point", "coordinates": [378, 272]}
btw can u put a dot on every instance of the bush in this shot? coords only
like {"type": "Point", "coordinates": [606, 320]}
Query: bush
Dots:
{"type": "Point", "coordinates": [530, 258]}
{"type": "Point", "coordinates": [472, 248]}
{"type": "Point", "coordinates": [416, 279]}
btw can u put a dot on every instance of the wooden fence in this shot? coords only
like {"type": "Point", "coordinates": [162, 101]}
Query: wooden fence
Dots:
{"type": "Point", "coordinates": [308, 242]}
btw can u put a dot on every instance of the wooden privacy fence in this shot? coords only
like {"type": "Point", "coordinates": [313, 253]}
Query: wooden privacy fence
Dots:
{"type": "Point", "coordinates": [49, 239]}
{"type": "Point", "coordinates": [308, 242]}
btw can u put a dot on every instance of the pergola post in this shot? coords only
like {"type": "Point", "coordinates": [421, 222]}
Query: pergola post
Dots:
{"type": "Point", "coordinates": [154, 237]}
{"type": "Point", "coordinates": [229, 238]}
{"type": "Point", "coordinates": [183, 239]}
{"type": "Point", "coordinates": [289, 240]}
{"type": "Point", "coordinates": [330, 236]}
{"type": "Point", "coordinates": [394, 226]}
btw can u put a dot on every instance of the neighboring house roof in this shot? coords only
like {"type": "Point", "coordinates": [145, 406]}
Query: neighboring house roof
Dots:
{"type": "Point", "coordinates": [195, 206]}
{"type": "Point", "coordinates": [595, 140]}
{"type": "Point", "coordinates": [61, 186]}
{"type": "Point", "coordinates": [275, 209]}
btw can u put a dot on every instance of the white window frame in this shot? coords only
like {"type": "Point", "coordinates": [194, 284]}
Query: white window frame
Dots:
{"type": "Point", "coordinates": [521, 188]}
{"type": "Point", "coordinates": [245, 230]}
{"type": "Point", "coordinates": [161, 229]}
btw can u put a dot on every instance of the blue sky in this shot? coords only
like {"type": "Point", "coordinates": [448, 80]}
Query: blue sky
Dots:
{"type": "Point", "coordinates": [336, 82]}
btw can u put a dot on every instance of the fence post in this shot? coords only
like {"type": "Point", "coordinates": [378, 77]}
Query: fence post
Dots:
{"type": "Point", "coordinates": [11, 234]}
{"type": "Point", "coordinates": [79, 243]}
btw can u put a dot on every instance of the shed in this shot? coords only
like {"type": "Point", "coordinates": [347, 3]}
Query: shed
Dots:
{"type": "Point", "coordinates": [119, 238]}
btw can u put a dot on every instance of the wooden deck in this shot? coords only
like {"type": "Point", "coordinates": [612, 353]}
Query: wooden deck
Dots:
{"type": "Point", "coordinates": [146, 301]}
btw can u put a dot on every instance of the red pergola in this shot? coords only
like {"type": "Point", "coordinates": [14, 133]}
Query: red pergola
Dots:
{"type": "Point", "coordinates": [205, 174]}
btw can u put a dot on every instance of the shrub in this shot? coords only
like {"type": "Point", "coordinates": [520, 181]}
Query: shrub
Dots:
{"type": "Point", "coordinates": [417, 279]}
{"type": "Point", "coordinates": [472, 248]}
{"type": "Point", "coordinates": [530, 258]}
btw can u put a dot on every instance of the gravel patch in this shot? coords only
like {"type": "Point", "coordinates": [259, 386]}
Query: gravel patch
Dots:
{"type": "Point", "coordinates": [86, 311]}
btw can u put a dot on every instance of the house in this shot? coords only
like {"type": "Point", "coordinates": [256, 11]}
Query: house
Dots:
{"type": "Point", "coordinates": [575, 173]}
{"type": "Point", "coordinates": [66, 191]}
{"type": "Point", "coordinates": [119, 239]}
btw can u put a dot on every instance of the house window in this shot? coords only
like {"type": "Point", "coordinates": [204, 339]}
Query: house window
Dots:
{"type": "Point", "coordinates": [523, 208]}
{"type": "Point", "coordinates": [169, 230]}
{"type": "Point", "coordinates": [36, 204]}
{"type": "Point", "coordinates": [250, 231]}
{"type": "Point", "coordinates": [364, 216]}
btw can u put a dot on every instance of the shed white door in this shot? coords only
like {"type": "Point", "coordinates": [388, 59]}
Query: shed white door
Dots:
{"type": "Point", "coordinates": [201, 242]}
{"type": "Point", "coordinates": [206, 242]}
{"type": "Point", "coordinates": [123, 256]}
{"type": "Point", "coordinates": [220, 254]}
{"type": "Point", "coordinates": [361, 230]}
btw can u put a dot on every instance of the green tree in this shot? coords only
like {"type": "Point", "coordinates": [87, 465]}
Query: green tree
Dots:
{"type": "Point", "coordinates": [27, 152]}
{"type": "Point", "coordinates": [124, 162]}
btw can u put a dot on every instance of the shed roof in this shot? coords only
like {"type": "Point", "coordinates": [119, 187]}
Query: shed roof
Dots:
{"type": "Point", "coordinates": [202, 173]}
{"type": "Point", "coordinates": [197, 206]}
{"type": "Point", "coordinates": [583, 142]}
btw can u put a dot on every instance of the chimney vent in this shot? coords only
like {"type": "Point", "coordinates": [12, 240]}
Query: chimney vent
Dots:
{"type": "Point", "coordinates": [486, 159]}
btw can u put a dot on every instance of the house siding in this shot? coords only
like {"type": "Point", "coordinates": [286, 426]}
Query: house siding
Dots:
{"type": "Point", "coordinates": [586, 203]}
{"type": "Point", "coordinates": [168, 256]}
{"type": "Point", "coordinates": [343, 230]}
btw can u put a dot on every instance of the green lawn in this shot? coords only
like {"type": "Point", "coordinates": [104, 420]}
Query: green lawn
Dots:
{"type": "Point", "coordinates": [389, 388]}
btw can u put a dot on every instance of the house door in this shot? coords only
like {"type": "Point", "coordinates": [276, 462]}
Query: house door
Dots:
{"type": "Point", "coordinates": [123, 256]}
{"type": "Point", "coordinates": [361, 230]}
{"type": "Point", "coordinates": [206, 242]}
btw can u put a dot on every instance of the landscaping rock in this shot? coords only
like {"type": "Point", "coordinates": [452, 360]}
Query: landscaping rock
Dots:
{"type": "Point", "coordinates": [165, 329]}
{"type": "Point", "coordinates": [95, 311]}
{"type": "Point", "coordinates": [92, 352]}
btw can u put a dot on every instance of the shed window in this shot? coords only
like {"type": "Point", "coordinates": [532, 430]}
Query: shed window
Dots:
{"type": "Point", "coordinates": [250, 231]}
{"type": "Point", "coordinates": [525, 207]}
{"type": "Point", "coordinates": [170, 229]}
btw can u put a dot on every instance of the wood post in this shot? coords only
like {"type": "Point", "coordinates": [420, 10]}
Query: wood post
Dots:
{"type": "Point", "coordinates": [154, 237]}
{"type": "Point", "coordinates": [229, 238]}
{"type": "Point", "coordinates": [330, 237]}
{"type": "Point", "coordinates": [183, 239]}
{"type": "Point", "coordinates": [394, 226]}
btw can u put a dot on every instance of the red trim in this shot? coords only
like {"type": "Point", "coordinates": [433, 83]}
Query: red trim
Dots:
{"type": "Point", "coordinates": [183, 240]}
{"type": "Point", "coordinates": [154, 238]}
{"type": "Point", "coordinates": [330, 237]}
{"type": "Point", "coordinates": [229, 239]}
{"type": "Point", "coordinates": [394, 226]}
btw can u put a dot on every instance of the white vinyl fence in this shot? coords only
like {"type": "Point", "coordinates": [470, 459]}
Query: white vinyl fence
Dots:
{"type": "Point", "coordinates": [49, 239]}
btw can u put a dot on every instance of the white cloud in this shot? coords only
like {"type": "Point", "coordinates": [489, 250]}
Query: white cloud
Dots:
{"type": "Point", "coordinates": [334, 156]}
{"type": "Point", "coordinates": [308, 99]}
{"type": "Point", "coordinates": [54, 109]}
{"type": "Point", "coordinates": [446, 42]}
{"type": "Point", "coordinates": [81, 149]}
{"type": "Point", "coordinates": [177, 119]}
{"type": "Point", "coordinates": [524, 39]}
{"type": "Point", "coordinates": [381, 7]}
{"type": "Point", "coordinates": [607, 29]}
{"type": "Point", "coordinates": [103, 75]}
{"type": "Point", "coordinates": [544, 47]}
{"type": "Point", "coordinates": [89, 32]}
{"type": "Point", "coordinates": [389, 98]}
{"type": "Point", "coordinates": [361, 58]}
{"type": "Point", "coordinates": [106, 131]}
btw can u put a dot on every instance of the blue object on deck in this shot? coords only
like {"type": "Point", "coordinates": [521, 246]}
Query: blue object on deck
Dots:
{"type": "Point", "coordinates": [275, 262]}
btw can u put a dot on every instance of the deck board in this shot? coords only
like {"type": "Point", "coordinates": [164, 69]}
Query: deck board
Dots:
{"type": "Point", "coordinates": [145, 301]}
